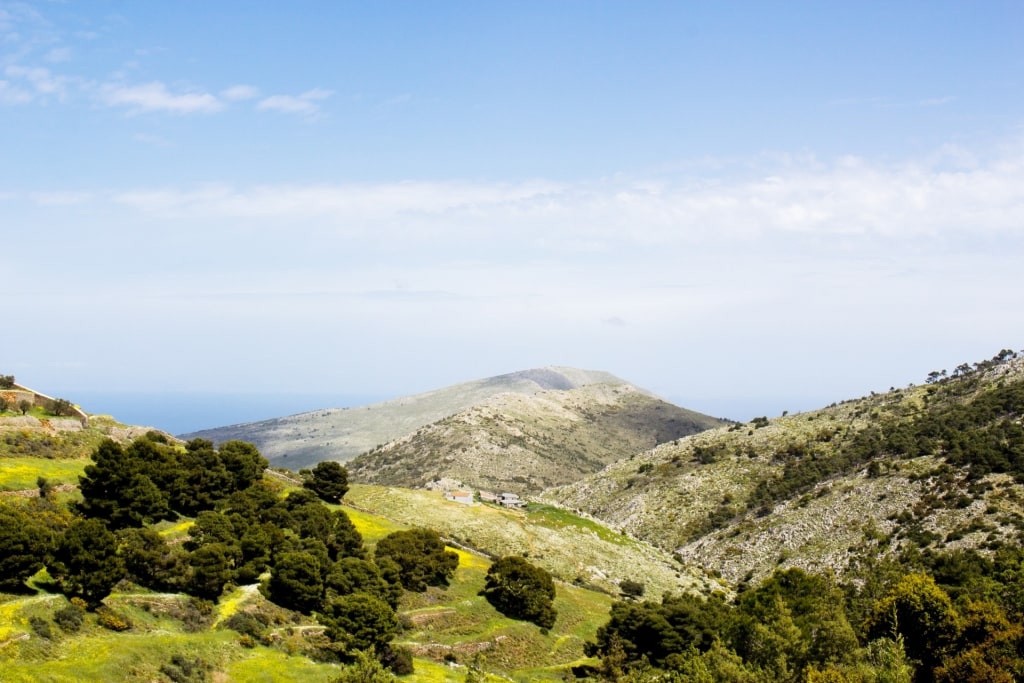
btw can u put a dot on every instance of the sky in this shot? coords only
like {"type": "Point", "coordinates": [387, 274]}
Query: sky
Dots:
{"type": "Point", "coordinates": [744, 207]}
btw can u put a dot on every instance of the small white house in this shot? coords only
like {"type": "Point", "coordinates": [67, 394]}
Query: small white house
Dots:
{"type": "Point", "coordinates": [511, 500]}
{"type": "Point", "coordinates": [464, 497]}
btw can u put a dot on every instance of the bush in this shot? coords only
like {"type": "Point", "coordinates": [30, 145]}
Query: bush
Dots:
{"type": "Point", "coordinates": [245, 624]}
{"type": "Point", "coordinates": [181, 669]}
{"type": "Point", "coordinates": [109, 619]}
{"type": "Point", "coordinates": [397, 659]}
{"type": "Point", "coordinates": [41, 627]}
{"type": "Point", "coordinates": [69, 618]}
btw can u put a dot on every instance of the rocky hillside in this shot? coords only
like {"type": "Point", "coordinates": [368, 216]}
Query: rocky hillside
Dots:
{"type": "Point", "coordinates": [525, 443]}
{"type": "Point", "coordinates": [928, 467]}
{"type": "Point", "coordinates": [341, 434]}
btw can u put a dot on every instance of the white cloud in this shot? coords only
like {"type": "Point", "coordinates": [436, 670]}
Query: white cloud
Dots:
{"type": "Point", "coordinates": [155, 96]}
{"type": "Point", "coordinates": [12, 94]}
{"type": "Point", "coordinates": [59, 198]}
{"type": "Point", "coordinates": [304, 104]}
{"type": "Point", "coordinates": [238, 93]}
{"type": "Point", "coordinates": [850, 199]}
{"type": "Point", "coordinates": [774, 274]}
{"type": "Point", "coordinates": [42, 80]}
{"type": "Point", "coordinates": [58, 54]}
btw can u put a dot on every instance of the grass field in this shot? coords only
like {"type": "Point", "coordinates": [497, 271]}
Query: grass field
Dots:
{"type": "Point", "coordinates": [20, 473]}
{"type": "Point", "coordinates": [447, 629]}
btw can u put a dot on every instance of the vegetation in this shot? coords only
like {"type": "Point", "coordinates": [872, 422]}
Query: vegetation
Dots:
{"type": "Point", "coordinates": [421, 557]}
{"type": "Point", "coordinates": [797, 627]}
{"type": "Point", "coordinates": [521, 590]}
{"type": "Point", "coordinates": [329, 480]}
{"type": "Point", "coordinates": [199, 567]}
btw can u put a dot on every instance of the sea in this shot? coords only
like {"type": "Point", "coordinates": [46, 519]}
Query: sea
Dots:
{"type": "Point", "coordinates": [183, 412]}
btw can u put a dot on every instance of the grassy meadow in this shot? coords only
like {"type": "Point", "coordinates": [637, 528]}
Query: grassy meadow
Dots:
{"type": "Point", "coordinates": [445, 629]}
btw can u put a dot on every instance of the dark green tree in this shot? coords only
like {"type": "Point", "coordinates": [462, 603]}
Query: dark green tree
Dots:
{"type": "Point", "coordinates": [23, 546]}
{"type": "Point", "coordinates": [203, 479]}
{"type": "Point", "coordinates": [359, 621]}
{"type": "Point", "coordinates": [6, 381]}
{"type": "Point", "coordinates": [243, 461]}
{"type": "Point", "coordinates": [521, 590]}
{"type": "Point", "coordinates": [62, 407]}
{"type": "Point", "coordinates": [212, 568]}
{"type": "Point", "coordinates": [421, 556]}
{"type": "Point", "coordinates": [329, 480]}
{"type": "Point", "coordinates": [354, 575]}
{"type": "Point", "coordinates": [150, 561]}
{"type": "Point", "coordinates": [296, 582]}
{"type": "Point", "coordinates": [86, 563]}
{"type": "Point", "coordinates": [344, 540]}
{"type": "Point", "coordinates": [117, 488]}
{"type": "Point", "coordinates": [24, 405]}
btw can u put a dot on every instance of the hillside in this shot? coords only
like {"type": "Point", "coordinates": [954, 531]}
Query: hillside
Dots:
{"type": "Point", "coordinates": [525, 443]}
{"type": "Point", "coordinates": [938, 466]}
{"type": "Point", "coordinates": [340, 434]}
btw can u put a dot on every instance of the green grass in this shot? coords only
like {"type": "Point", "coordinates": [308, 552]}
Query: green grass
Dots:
{"type": "Point", "coordinates": [21, 473]}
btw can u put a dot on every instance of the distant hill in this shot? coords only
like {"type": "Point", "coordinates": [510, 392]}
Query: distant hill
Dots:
{"type": "Point", "coordinates": [933, 467]}
{"type": "Point", "coordinates": [524, 443]}
{"type": "Point", "coordinates": [341, 434]}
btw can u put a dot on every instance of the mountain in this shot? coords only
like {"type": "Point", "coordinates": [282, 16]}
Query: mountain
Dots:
{"type": "Point", "coordinates": [524, 443]}
{"type": "Point", "coordinates": [341, 434]}
{"type": "Point", "coordinates": [933, 467]}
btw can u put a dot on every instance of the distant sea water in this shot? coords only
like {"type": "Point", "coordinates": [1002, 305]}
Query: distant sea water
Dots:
{"type": "Point", "coordinates": [182, 412]}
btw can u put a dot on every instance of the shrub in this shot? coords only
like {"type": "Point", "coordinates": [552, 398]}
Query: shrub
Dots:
{"type": "Point", "coordinates": [69, 618]}
{"type": "Point", "coordinates": [109, 619]}
{"type": "Point", "coordinates": [41, 627]}
{"type": "Point", "coordinates": [181, 669]}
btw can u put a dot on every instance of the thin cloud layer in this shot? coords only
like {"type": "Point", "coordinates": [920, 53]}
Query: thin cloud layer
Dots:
{"type": "Point", "coordinates": [155, 96]}
{"type": "Point", "coordinates": [850, 199]}
{"type": "Point", "coordinates": [306, 104]}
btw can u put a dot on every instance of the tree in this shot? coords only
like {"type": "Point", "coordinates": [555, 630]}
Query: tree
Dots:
{"type": "Point", "coordinates": [354, 575]}
{"type": "Point", "coordinates": [521, 590]}
{"type": "Point", "coordinates": [150, 561]}
{"type": "Point", "coordinates": [921, 613]}
{"type": "Point", "coordinates": [329, 480]}
{"type": "Point", "coordinates": [85, 562]}
{"type": "Point", "coordinates": [116, 488]}
{"type": "Point", "coordinates": [359, 621]}
{"type": "Point", "coordinates": [62, 407]}
{"type": "Point", "coordinates": [203, 479]}
{"type": "Point", "coordinates": [211, 570]}
{"type": "Point", "coordinates": [295, 582]}
{"type": "Point", "coordinates": [421, 556]}
{"type": "Point", "coordinates": [344, 539]}
{"type": "Point", "coordinates": [243, 461]}
{"type": "Point", "coordinates": [24, 405]}
{"type": "Point", "coordinates": [23, 545]}
{"type": "Point", "coordinates": [6, 381]}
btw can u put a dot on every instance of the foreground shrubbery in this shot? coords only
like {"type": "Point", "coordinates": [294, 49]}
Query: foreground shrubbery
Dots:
{"type": "Point", "coordinates": [311, 557]}
{"type": "Point", "coordinates": [898, 626]}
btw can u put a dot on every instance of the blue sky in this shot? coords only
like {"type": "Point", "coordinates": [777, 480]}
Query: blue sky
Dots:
{"type": "Point", "coordinates": [743, 206]}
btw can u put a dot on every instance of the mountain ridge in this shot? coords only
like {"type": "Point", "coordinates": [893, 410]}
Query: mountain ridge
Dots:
{"type": "Point", "coordinates": [341, 434]}
{"type": "Point", "coordinates": [523, 444]}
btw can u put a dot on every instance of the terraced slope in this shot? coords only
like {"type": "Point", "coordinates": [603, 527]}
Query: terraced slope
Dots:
{"type": "Point", "coordinates": [341, 434]}
{"type": "Point", "coordinates": [525, 443]}
{"type": "Point", "coordinates": [933, 466]}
